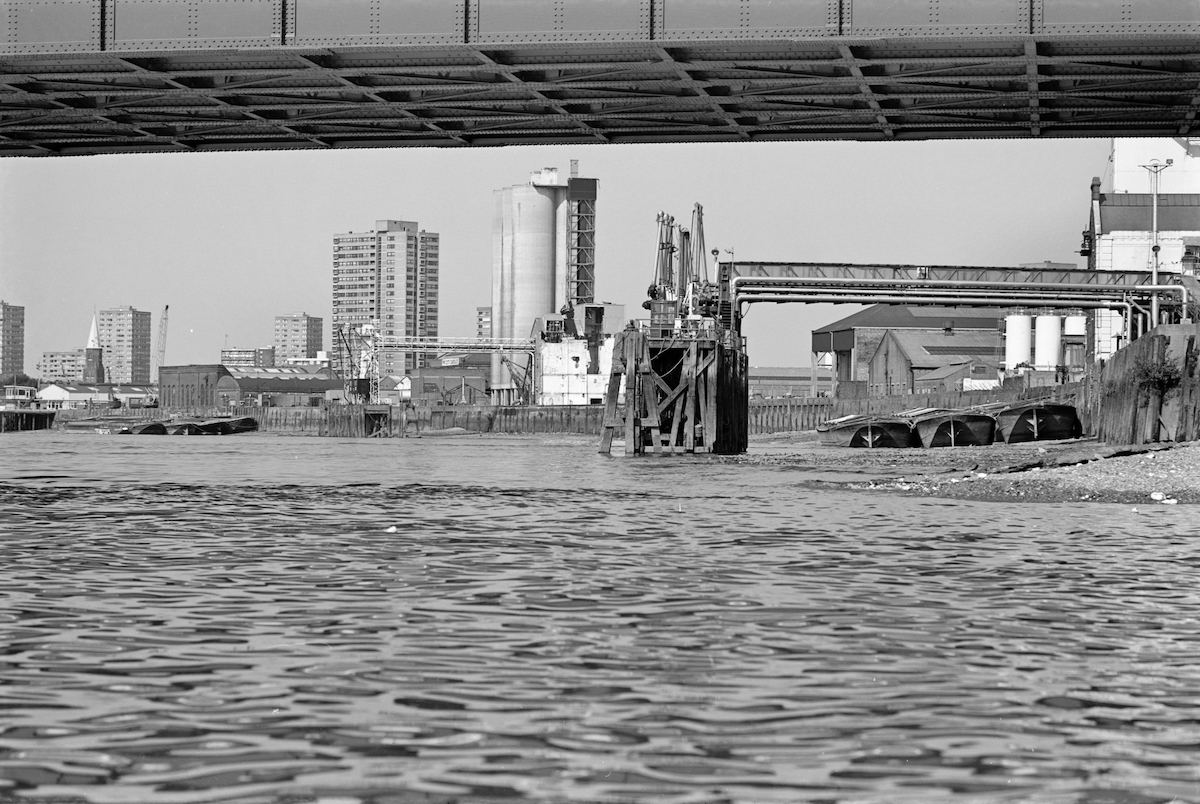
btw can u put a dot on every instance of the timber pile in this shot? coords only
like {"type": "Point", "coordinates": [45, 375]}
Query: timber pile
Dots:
{"type": "Point", "coordinates": [1134, 399]}
{"type": "Point", "coordinates": [682, 394]}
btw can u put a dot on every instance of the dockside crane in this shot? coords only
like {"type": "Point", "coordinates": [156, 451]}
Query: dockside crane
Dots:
{"type": "Point", "coordinates": [160, 347]}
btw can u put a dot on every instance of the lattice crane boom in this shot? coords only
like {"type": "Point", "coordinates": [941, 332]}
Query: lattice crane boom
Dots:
{"type": "Point", "coordinates": [160, 346]}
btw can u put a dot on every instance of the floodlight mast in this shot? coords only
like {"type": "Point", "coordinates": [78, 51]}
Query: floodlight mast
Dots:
{"type": "Point", "coordinates": [1155, 167]}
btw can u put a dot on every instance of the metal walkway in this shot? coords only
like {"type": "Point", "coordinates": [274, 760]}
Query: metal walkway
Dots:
{"type": "Point", "coordinates": [109, 76]}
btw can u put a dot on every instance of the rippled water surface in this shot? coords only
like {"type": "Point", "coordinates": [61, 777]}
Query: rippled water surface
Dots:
{"type": "Point", "coordinates": [265, 619]}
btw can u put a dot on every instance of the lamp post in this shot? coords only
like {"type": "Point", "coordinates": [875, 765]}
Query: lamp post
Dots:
{"type": "Point", "coordinates": [1155, 167]}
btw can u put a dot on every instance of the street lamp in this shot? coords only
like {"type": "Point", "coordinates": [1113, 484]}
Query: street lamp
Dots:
{"type": "Point", "coordinates": [1155, 167]}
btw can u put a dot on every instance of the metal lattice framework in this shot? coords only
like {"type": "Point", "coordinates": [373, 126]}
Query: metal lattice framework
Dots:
{"type": "Point", "coordinates": [489, 94]}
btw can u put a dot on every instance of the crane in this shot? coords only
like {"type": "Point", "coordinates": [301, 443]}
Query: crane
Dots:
{"type": "Point", "coordinates": [160, 348]}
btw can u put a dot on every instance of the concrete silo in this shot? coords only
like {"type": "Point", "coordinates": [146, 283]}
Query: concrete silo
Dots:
{"type": "Point", "coordinates": [1047, 345]}
{"type": "Point", "coordinates": [1017, 337]}
{"type": "Point", "coordinates": [542, 260]}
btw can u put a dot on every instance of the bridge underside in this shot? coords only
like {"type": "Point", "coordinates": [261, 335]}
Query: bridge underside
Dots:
{"type": "Point", "coordinates": [490, 94]}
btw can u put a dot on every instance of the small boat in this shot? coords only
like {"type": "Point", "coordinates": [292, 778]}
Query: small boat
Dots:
{"type": "Point", "coordinates": [1038, 421]}
{"type": "Point", "coordinates": [953, 428]}
{"type": "Point", "coordinates": [867, 431]}
{"type": "Point", "coordinates": [148, 428]}
{"type": "Point", "coordinates": [222, 426]}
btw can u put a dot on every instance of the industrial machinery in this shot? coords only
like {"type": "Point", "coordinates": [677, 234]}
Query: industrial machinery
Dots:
{"type": "Point", "coordinates": [685, 372]}
{"type": "Point", "coordinates": [160, 346]}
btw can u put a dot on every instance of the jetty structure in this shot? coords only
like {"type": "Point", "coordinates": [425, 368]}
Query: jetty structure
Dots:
{"type": "Point", "coordinates": [685, 371]}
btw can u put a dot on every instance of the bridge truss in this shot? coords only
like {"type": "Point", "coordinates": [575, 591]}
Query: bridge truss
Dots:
{"type": "Point", "coordinates": [110, 76]}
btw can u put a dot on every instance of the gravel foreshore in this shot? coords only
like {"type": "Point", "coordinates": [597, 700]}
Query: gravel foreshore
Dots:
{"type": "Point", "coordinates": [1058, 471]}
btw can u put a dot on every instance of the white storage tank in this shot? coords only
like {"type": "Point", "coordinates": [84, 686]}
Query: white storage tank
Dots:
{"type": "Point", "coordinates": [1047, 348]}
{"type": "Point", "coordinates": [1017, 336]}
{"type": "Point", "coordinates": [1075, 324]}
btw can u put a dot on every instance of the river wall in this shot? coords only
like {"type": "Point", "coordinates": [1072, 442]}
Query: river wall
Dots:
{"type": "Point", "coordinates": [1147, 392]}
{"type": "Point", "coordinates": [766, 416]}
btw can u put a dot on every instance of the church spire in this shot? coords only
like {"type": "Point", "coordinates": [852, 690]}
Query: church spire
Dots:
{"type": "Point", "coordinates": [94, 337]}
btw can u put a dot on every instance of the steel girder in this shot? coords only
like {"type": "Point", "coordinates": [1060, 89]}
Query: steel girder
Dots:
{"type": "Point", "coordinates": [917, 275]}
{"type": "Point", "coordinates": [652, 91]}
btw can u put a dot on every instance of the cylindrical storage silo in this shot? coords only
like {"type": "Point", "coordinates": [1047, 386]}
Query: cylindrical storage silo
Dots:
{"type": "Point", "coordinates": [1017, 335]}
{"type": "Point", "coordinates": [1047, 346]}
{"type": "Point", "coordinates": [534, 211]}
{"type": "Point", "coordinates": [1075, 324]}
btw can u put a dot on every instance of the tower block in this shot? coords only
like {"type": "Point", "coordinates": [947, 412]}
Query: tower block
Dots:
{"type": "Point", "coordinates": [685, 375]}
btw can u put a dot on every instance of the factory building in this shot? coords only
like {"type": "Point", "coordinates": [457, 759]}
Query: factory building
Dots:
{"type": "Point", "coordinates": [853, 341]}
{"type": "Point", "coordinates": [209, 385]}
{"type": "Point", "coordinates": [574, 354]}
{"type": "Point", "coordinates": [1120, 234]}
{"type": "Point", "coordinates": [124, 337]}
{"type": "Point", "coordinates": [543, 262]}
{"type": "Point", "coordinates": [452, 379]}
{"type": "Point", "coordinates": [908, 361]}
{"type": "Point", "coordinates": [298, 336]}
{"type": "Point", "coordinates": [386, 278]}
{"type": "Point", "coordinates": [12, 338]}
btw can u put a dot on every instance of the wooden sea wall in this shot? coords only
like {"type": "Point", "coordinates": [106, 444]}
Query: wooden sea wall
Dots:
{"type": "Point", "coordinates": [357, 421]}
{"type": "Point", "coordinates": [1119, 410]}
{"type": "Point", "coordinates": [798, 414]}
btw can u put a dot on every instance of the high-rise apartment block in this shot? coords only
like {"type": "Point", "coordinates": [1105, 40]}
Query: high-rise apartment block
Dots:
{"type": "Point", "coordinates": [298, 336]}
{"type": "Point", "coordinates": [483, 322]}
{"type": "Point", "coordinates": [387, 278]}
{"type": "Point", "coordinates": [12, 338]}
{"type": "Point", "coordinates": [125, 341]}
{"type": "Point", "coordinates": [248, 358]}
{"type": "Point", "coordinates": [62, 366]}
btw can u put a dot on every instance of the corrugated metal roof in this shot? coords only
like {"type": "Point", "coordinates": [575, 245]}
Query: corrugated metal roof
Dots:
{"type": "Point", "coordinates": [1147, 200]}
{"type": "Point", "coordinates": [914, 345]}
{"type": "Point", "coordinates": [894, 316]}
{"type": "Point", "coordinates": [949, 370]}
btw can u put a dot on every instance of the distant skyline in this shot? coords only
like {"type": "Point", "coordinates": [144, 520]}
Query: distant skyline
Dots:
{"type": "Point", "coordinates": [231, 240]}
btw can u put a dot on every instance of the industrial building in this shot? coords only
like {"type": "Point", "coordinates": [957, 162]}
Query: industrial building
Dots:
{"type": "Point", "coordinates": [453, 379]}
{"type": "Point", "coordinates": [852, 341]}
{"type": "Point", "coordinates": [910, 361]}
{"type": "Point", "coordinates": [1148, 195]}
{"type": "Point", "coordinates": [278, 386]}
{"type": "Point", "coordinates": [210, 385]}
{"type": "Point", "coordinates": [12, 338]}
{"type": "Point", "coordinates": [543, 262]}
{"type": "Point", "coordinates": [574, 354]}
{"type": "Point", "coordinates": [261, 357]}
{"type": "Point", "coordinates": [1047, 342]}
{"type": "Point", "coordinates": [386, 278]}
{"type": "Point", "coordinates": [298, 336]}
{"type": "Point", "coordinates": [785, 382]}
{"type": "Point", "coordinates": [124, 337]}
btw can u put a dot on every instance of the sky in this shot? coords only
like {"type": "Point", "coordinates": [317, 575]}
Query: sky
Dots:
{"type": "Point", "coordinates": [230, 240]}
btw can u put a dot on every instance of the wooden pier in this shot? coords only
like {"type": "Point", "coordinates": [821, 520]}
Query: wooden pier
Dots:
{"type": "Point", "coordinates": [15, 419]}
{"type": "Point", "coordinates": [684, 392]}
{"type": "Point", "coordinates": [685, 374]}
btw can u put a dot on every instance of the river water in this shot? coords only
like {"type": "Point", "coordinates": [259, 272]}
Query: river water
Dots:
{"type": "Point", "coordinates": [484, 619]}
